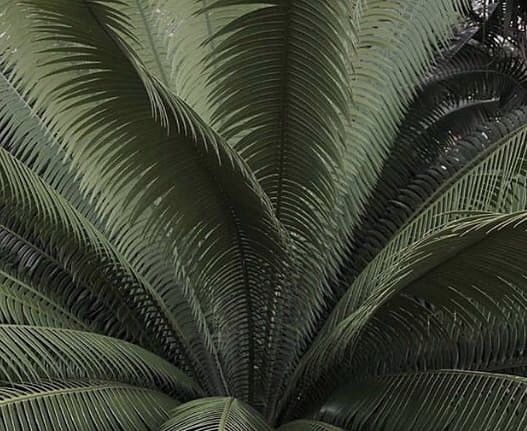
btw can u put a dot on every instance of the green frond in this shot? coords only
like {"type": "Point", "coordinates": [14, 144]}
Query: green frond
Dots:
{"type": "Point", "coordinates": [468, 271]}
{"type": "Point", "coordinates": [32, 353]}
{"type": "Point", "coordinates": [433, 400]}
{"type": "Point", "coordinates": [45, 268]}
{"type": "Point", "coordinates": [194, 40]}
{"type": "Point", "coordinates": [397, 43]}
{"type": "Point", "coordinates": [215, 414]}
{"type": "Point", "coordinates": [131, 158]}
{"type": "Point", "coordinates": [20, 304]}
{"type": "Point", "coordinates": [258, 202]}
{"type": "Point", "coordinates": [179, 300]}
{"type": "Point", "coordinates": [474, 62]}
{"type": "Point", "coordinates": [96, 267]}
{"type": "Point", "coordinates": [434, 335]}
{"type": "Point", "coordinates": [458, 304]}
{"type": "Point", "coordinates": [459, 95]}
{"type": "Point", "coordinates": [82, 406]}
{"type": "Point", "coordinates": [30, 139]}
{"type": "Point", "coordinates": [492, 182]}
{"type": "Point", "coordinates": [278, 76]}
{"type": "Point", "coordinates": [154, 24]}
{"type": "Point", "coordinates": [25, 135]}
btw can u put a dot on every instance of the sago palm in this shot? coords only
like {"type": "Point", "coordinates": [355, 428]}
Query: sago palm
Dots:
{"type": "Point", "coordinates": [253, 215]}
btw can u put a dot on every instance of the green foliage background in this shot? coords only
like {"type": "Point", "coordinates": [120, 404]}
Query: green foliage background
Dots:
{"type": "Point", "coordinates": [252, 215]}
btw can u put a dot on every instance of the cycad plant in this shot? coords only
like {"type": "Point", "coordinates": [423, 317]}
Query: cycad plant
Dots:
{"type": "Point", "coordinates": [252, 215]}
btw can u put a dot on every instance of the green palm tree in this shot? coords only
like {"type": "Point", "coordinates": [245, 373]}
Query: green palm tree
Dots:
{"type": "Point", "coordinates": [252, 215]}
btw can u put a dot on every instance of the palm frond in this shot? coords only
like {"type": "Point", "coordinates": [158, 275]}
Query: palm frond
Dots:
{"type": "Point", "coordinates": [256, 201]}
{"type": "Point", "coordinates": [397, 41]}
{"type": "Point", "coordinates": [475, 61]}
{"type": "Point", "coordinates": [20, 304]}
{"type": "Point", "coordinates": [193, 41]}
{"type": "Point", "coordinates": [27, 136]}
{"type": "Point", "coordinates": [83, 406]}
{"type": "Point", "coordinates": [179, 300]}
{"type": "Point", "coordinates": [135, 160]}
{"type": "Point", "coordinates": [456, 310]}
{"type": "Point", "coordinates": [491, 182]}
{"type": "Point", "coordinates": [32, 353]}
{"type": "Point", "coordinates": [153, 25]}
{"type": "Point", "coordinates": [434, 335]}
{"type": "Point", "coordinates": [99, 272]}
{"type": "Point", "coordinates": [469, 295]}
{"type": "Point", "coordinates": [460, 94]}
{"type": "Point", "coordinates": [215, 414]}
{"type": "Point", "coordinates": [434, 400]}
{"type": "Point", "coordinates": [279, 96]}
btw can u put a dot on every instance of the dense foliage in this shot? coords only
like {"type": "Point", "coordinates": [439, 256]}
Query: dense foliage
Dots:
{"type": "Point", "coordinates": [252, 215]}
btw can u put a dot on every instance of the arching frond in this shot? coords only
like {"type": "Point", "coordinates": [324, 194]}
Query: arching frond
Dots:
{"type": "Point", "coordinates": [31, 354]}
{"type": "Point", "coordinates": [472, 295]}
{"type": "Point", "coordinates": [97, 268]}
{"type": "Point", "coordinates": [194, 40]}
{"type": "Point", "coordinates": [279, 96]}
{"type": "Point", "coordinates": [28, 136]}
{"type": "Point", "coordinates": [460, 95]}
{"type": "Point", "coordinates": [21, 304]}
{"type": "Point", "coordinates": [82, 406]}
{"type": "Point", "coordinates": [434, 400]}
{"type": "Point", "coordinates": [434, 335]}
{"type": "Point", "coordinates": [215, 414]}
{"type": "Point", "coordinates": [135, 160]}
{"type": "Point", "coordinates": [153, 23]}
{"type": "Point", "coordinates": [257, 202]}
{"type": "Point", "coordinates": [179, 300]}
{"type": "Point", "coordinates": [457, 311]}
{"type": "Point", "coordinates": [25, 135]}
{"type": "Point", "coordinates": [492, 182]}
{"type": "Point", "coordinates": [397, 41]}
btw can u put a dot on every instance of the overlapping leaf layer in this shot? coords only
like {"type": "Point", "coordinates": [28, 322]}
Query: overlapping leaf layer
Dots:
{"type": "Point", "coordinates": [247, 215]}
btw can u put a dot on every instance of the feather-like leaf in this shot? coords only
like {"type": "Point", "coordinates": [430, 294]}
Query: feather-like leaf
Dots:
{"type": "Point", "coordinates": [27, 136]}
{"type": "Point", "coordinates": [215, 414]}
{"type": "Point", "coordinates": [31, 353]}
{"type": "Point", "coordinates": [20, 304]}
{"type": "Point", "coordinates": [397, 41]}
{"type": "Point", "coordinates": [472, 295]}
{"type": "Point", "coordinates": [135, 150]}
{"type": "Point", "coordinates": [82, 406]}
{"type": "Point", "coordinates": [278, 78]}
{"type": "Point", "coordinates": [460, 95]}
{"type": "Point", "coordinates": [462, 306]}
{"type": "Point", "coordinates": [492, 182]}
{"type": "Point", "coordinates": [435, 400]}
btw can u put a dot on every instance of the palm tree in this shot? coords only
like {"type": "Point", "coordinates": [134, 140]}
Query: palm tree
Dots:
{"type": "Point", "coordinates": [253, 215]}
